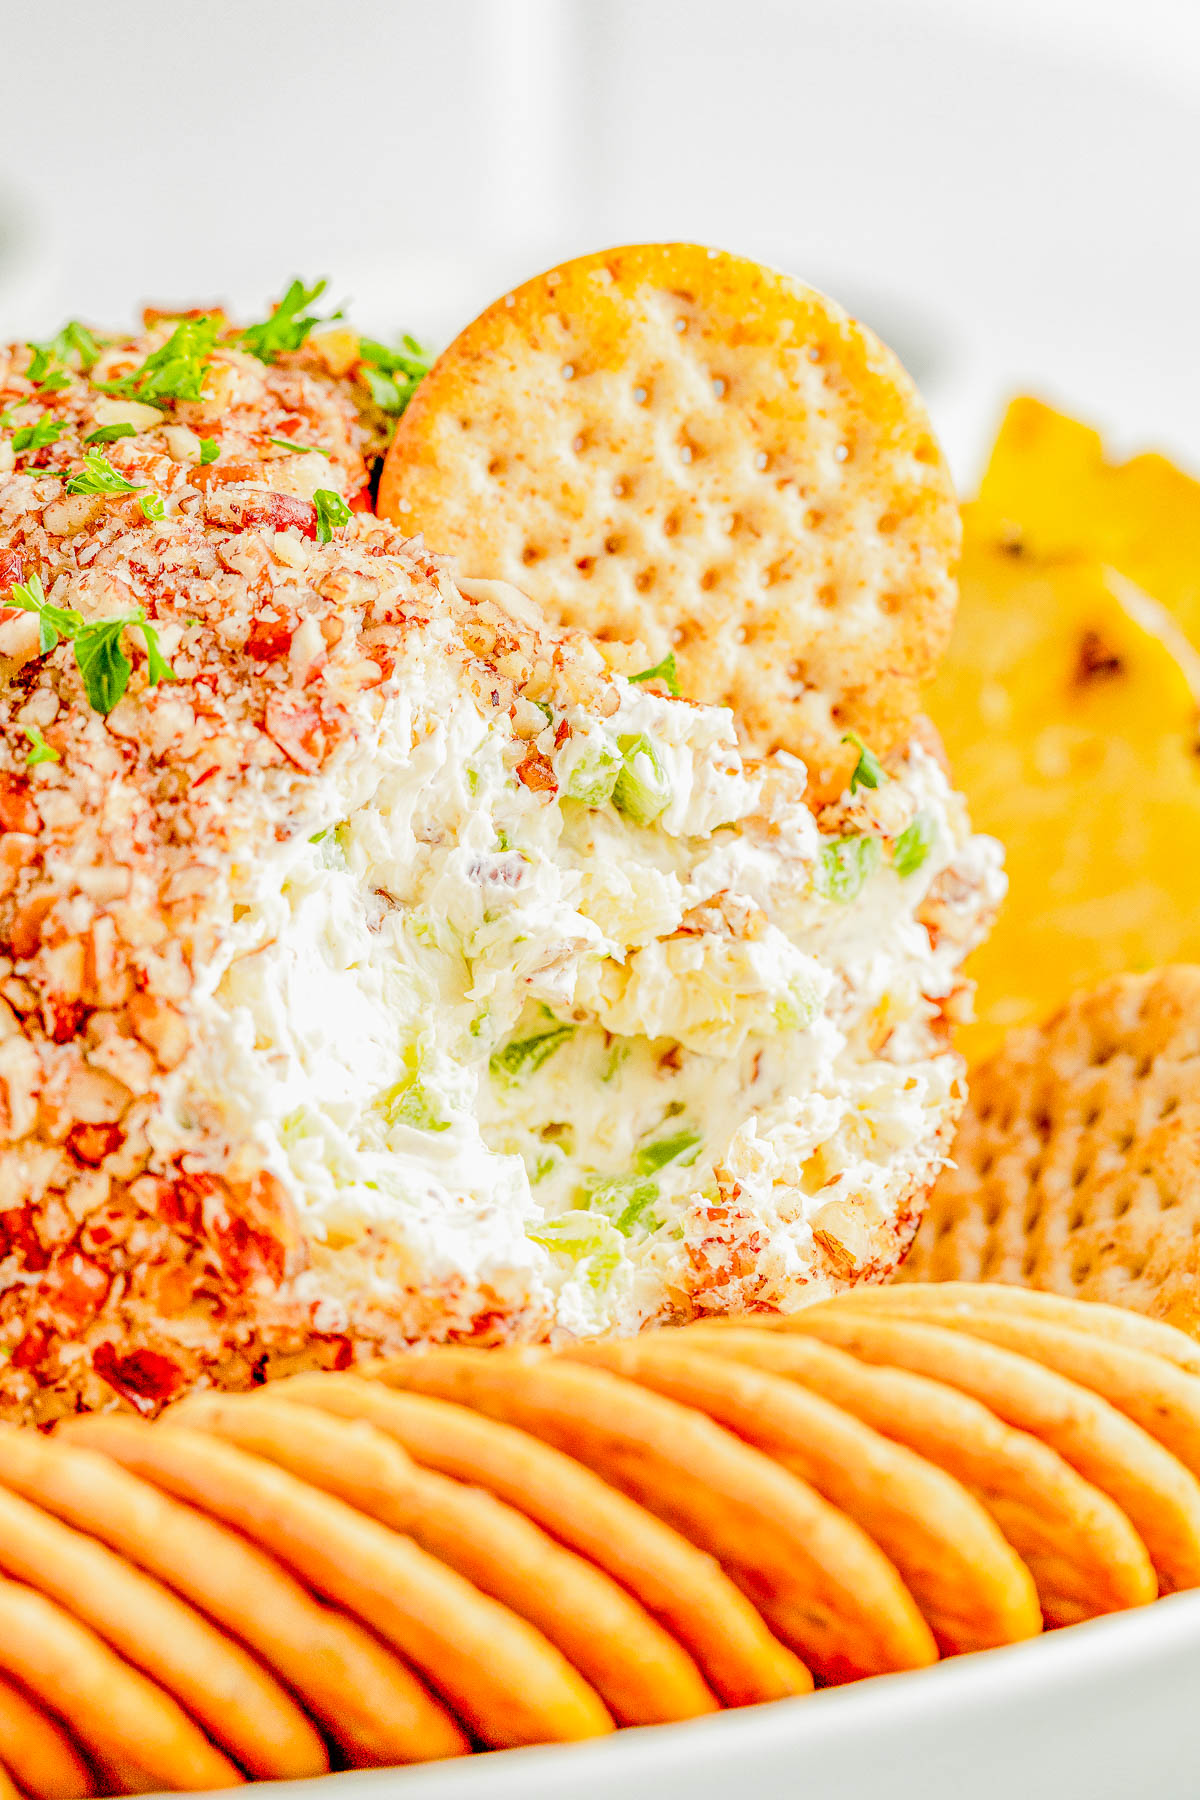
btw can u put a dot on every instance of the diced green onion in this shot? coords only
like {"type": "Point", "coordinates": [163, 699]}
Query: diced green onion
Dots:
{"type": "Point", "coordinates": [642, 791]}
{"type": "Point", "coordinates": [845, 864]}
{"type": "Point", "coordinates": [594, 776]}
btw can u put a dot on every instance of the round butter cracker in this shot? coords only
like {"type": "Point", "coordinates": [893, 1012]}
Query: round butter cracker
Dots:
{"type": "Point", "coordinates": [674, 446]}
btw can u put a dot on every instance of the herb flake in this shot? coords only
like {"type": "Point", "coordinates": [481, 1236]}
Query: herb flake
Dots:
{"type": "Point", "coordinates": [175, 371]}
{"type": "Point", "coordinates": [41, 751]}
{"type": "Point", "coordinates": [868, 770]}
{"type": "Point", "coordinates": [287, 325]}
{"type": "Point", "coordinates": [332, 512]}
{"type": "Point", "coordinates": [664, 671]}
{"type": "Point", "coordinates": [913, 845]}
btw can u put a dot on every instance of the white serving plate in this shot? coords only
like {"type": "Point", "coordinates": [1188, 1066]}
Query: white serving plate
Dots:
{"type": "Point", "coordinates": [1104, 1711]}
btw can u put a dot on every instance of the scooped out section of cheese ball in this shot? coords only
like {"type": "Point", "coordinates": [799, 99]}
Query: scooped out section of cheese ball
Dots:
{"type": "Point", "coordinates": [565, 1019]}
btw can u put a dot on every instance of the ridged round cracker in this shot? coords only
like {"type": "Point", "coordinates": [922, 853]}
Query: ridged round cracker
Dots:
{"type": "Point", "coordinates": [673, 445]}
{"type": "Point", "coordinates": [224, 1689]}
{"type": "Point", "coordinates": [820, 1582]}
{"type": "Point", "coordinates": [972, 1587]}
{"type": "Point", "coordinates": [948, 1301]}
{"type": "Point", "coordinates": [37, 1752]}
{"type": "Point", "coordinates": [1078, 1154]}
{"type": "Point", "coordinates": [640, 1672]}
{"type": "Point", "coordinates": [685, 1590]}
{"type": "Point", "coordinates": [370, 1703]}
{"type": "Point", "coordinates": [502, 1678]}
{"type": "Point", "coordinates": [1081, 1550]}
{"type": "Point", "coordinates": [1155, 1394]}
{"type": "Point", "coordinates": [1156, 1490]}
{"type": "Point", "coordinates": [115, 1711]}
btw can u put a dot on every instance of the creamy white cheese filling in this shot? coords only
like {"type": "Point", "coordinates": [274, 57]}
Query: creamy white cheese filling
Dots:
{"type": "Point", "coordinates": [529, 1040]}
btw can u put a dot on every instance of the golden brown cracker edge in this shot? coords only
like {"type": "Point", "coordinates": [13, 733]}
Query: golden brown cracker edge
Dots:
{"type": "Point", "coordinates": [641, 1673]}
{"type": "Point", "coordinates": [672, 444]}
{"type": "Point", "coordinates": [685, 1590]}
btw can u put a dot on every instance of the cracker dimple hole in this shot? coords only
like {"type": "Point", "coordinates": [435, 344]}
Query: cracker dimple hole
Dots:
{"type": "Point", "coordinates": [681, 326]}
{"type": "Point", "coordinates": [719, 387]}
{"type": "Point", "coordinates": [887, 523]}
{"type": "Point", "coordinates": [622, 487]}
{"type": "Point", "coordinates": [640, 395]}
{"type": "Point", "coordinates": [841, 453]}
{"type": "Point", "coordinates": [579, 444]}
{"type": "Point", "coordinates": [827, 594]}
{"type": "Point", "coordinates": [671, 524]}
{"type": "Point", "coordinates": [532, 553]}
{"type": "Point", "coordinates": [686, 453]}
{"type": "Point", "coordinates": [1169, 1106]}
{"type": "Point", "coordinates": [814, 353]}
{"type": "Point", "coordinates": [761, 461]}
{"type": "Point", "coordinates": [567, 371]}
{"type": "Point", "coordinates": [614, 544]}
{"type": "Point", "coordinates": [709, 580]}
{"type": "Point", "coordinates": [890, 604]}
{"type": "Point", "coordinates": [813, 520]}
{"type": "Point", "coordinates": [1075, 1218]}
{"type": "Point", "coordinates": [643, 581]}
{"type": "Point", "coordinates": [586, 564]}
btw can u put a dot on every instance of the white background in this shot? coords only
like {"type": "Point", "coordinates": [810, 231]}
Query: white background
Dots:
{"type": "Point", "coordinates": [1007, 188]}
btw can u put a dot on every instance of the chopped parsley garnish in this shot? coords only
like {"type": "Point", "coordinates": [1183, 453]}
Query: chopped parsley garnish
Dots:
{"type": "Point", "coordinates": [73, 338]}
{"type": "Point", "coordinates": [526, 1055]}
{"type": "Point", "coordinates": [45, 368]}
{"type": "Point", "coordinates": [104, 665]}
{"type": "Point", "coordinates": [845, 864]}
{"type": "Point", "coordinates": [652, 1157]}
{"type": "Point", "coordinates": [913, 845]}
{"type": "Point", "coordinates": [108, 434]}
{"type": "Point", "coordinates": [662, 671]}
{"type": "Point", "coordinates": [332, 511]}
{"type": "Point", "coordinates": [301, 449]}
{"type": "Point", "coordinates": [56, 622]}
{"type": "Point", "coordinates": [393, 375]}
{"type": "Point", "coordinates": [153, 507]}
{"type": "Point", "coordinates": [868, 770]}
{"type": "Point", "coordinates": [36, 437]}
{"type": "Point", "coordinates": [41, 751]}
{"type": "Point", "coordinates": [209, 451]}
{"type": "Point", "coordinates": [175, 371]}
{"type": "Point", "coordinates": [99, 477]}
{"type": "Point", "coordinates": [101, 661]}
{"type": "Point", "coordinates": [288, 324]}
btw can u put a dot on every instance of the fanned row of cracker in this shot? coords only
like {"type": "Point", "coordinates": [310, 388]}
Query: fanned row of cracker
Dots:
{"type": "Point", "coordinates": [473, 1548]}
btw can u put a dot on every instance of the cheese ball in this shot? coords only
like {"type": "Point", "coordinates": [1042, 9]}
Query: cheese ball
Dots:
{"type": "Point", "coordinates": [379, 965]}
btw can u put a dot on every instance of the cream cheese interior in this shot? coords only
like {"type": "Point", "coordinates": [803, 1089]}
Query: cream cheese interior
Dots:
{"type": "Point", "coordinates": [531, 1041]}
